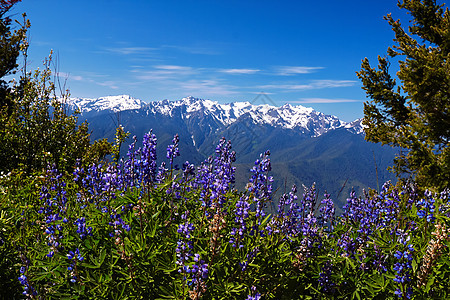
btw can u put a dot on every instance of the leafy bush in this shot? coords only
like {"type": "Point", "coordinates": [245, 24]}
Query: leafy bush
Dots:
{"type": "Point", "coordinates": [136, 229]}
{"type": "Point", "coordinates": [35, 126]}
{"type": "Point", "coordinates": [38, 130]}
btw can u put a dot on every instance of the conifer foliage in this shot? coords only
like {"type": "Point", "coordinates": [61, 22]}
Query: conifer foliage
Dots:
{"type": "Point", "coordinates": [9, 47]}
{"type": "Point", "coordinates": [415, 114]}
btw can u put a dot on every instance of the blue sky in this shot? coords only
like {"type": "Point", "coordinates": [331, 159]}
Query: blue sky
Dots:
{"type": "Point", "coordinates": [297, 52]}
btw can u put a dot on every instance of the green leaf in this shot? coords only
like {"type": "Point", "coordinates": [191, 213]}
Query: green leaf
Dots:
{"type": "Point", "coordinates": [356, 295]}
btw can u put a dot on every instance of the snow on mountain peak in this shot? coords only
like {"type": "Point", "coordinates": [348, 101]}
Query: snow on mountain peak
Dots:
{"type": "Point", "coordinates": [112, 103]}
{"type": "Point", "coordinates": [287, 116]}
{"type": "Point", "coordinates": [356, 126]}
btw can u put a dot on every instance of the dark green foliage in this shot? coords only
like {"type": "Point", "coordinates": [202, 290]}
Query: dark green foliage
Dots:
{"type": "Point", "coordinates": [415, 114]}
{"type": "Point", "coordinates": [15, 189]}
{"type": "Point", "coordinates": [38, 131]}
{"type": "Point", "coordinates": [10, 46]}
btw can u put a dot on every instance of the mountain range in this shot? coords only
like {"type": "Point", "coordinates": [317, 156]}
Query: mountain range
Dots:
{"type": "Point", "coordinates": [306, 146]}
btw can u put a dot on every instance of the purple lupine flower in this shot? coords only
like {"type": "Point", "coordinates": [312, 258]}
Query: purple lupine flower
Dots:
{"type": "Point", "coordinates": [348, 245]}
{"type": "Point", "coordinates": [186, 229]}
{"type": "Point", "coordinates": [390, 203]}
{"type": "Point", "coordinates": [257, 296]}
{"type": "Point", "coordinates": [140, 167]}
{"type": "Point", "coordinates": [254, 295]}
{"type": "Point", "coordinates": [82, 230]}
{"type": "Point", "coordinates": [28, 290]}
{"type": "Point", "coordinates": [260, 187]}
{"type": "Point", "coordinates": [162, 172]}
{"type": "Point", "coordinates": [408, 293]}
{"type": "Point", "coordinates": [188, 170]}
{"type": "Point", "coordinates": [327, 212]}
{"type": "Point", "coordinates": [325, 281]}
{"type": "Point", "coordinates": [184, 244]}
{"type": "Point", "coordinates": [445, 200]}
{"type": "Point", "coordinates": [196, 276]}
{"type": "Point", "coordinates": [379, 260]}
{"type": "Point", "coordinates": [204, 179]}
{"type": "Point", "coordinates": [148, 159]}
{"type": "Point", "coordinates": [403, 269]}
{"type": "Point", "coordinates": [101, 184]}
{"type": "Point", "coordinates": [302, 220]}
{"type": "Point", "coordinates": [292, 218]}
{"type": "Point", "coordinates": [215, 176]}
{"type": "Point", "coordinates": [93, 183]}
{"type": "Point", "coordinates": [110, 183]}
{"type": "Point", "coordinates": [78, 172]}
{"type": "Point", "coordinates": [241, 214]}
{"type": "Point", "coordinates": [352, 210]}
{"type": "Point", "coordinates": [172, 151]}
{"type": "Point", "coordinates": [199, 271]}
{"type": "Point", "coordinates": [410, 189]}
{"type": "Point", "coordinates": [54, 206]}
{"type": "Point", "coordinates": [425, 207]}
{"type": "Point", "coordinates": [248, 259]}
{"type": "Point", "coordinates": [223, 169]}
{"type": "Point", "coordinates": [74, 257]}
{"type": "Point", "coordinates": [309, 200]}
{"type": "Point", "coordinates": [214, 179]}
{"type": "Point", "coordinates": [117, 224]}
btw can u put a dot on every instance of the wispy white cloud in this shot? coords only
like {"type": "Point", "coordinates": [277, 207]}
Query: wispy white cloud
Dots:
{"type": "Point", "coordinates": [69, 76]}
{"type": "Point", "coordinates": [109, 83]}
{"type": "Point", "coordinates": [261, 93]}
{"type": "Point", "coordinates": [185, 79]}
{"type": "Point", "coordinates": [173, 68]}
{"type": "Point", "coordinates": [313, 85]}
{"type": "Point", "coordinates": [76, 77]}
{"type": "Point", "coordinates": [194, 49]}
{"type": "Point", "coordinates": [333, 83]}
{"type": "Point", "coordinates": [294, 70]}
{"type": "Point", "coordinates": [325, 100]}
{"type": "Point", "coordinates": [297, 87]}
{"type": "Point", "coordinates": [92, 78]}
{"type": "Point", "coordinates": [239, 71]}
{"type": "Point", "coordinates": [41, 43]}
{"type": "Point", "coordinates": [207, 87]}
{"type": "Point", "coordinates": [164, 72]}
{"type": "Point", "coordinates": [130, 50]}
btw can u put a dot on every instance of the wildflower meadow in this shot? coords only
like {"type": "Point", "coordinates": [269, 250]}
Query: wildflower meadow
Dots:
{"type": "Point", "coordinates": [137, 228]}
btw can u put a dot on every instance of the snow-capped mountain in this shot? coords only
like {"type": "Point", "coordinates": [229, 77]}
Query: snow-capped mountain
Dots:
{"type": "Point", "coordinates": [109, 103]}
{"type": "Point", "coordinates": [297, 118]}
{"type": "Point", "coordinates": [306, 146]}
{"type": "Point", "coordinates": [286, 116]}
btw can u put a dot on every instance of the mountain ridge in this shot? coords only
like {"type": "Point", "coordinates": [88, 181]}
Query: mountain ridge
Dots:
{"type": "Point", "coordinates": [306, 146]}
{"type": "Point", "coordinates": [295, 117]}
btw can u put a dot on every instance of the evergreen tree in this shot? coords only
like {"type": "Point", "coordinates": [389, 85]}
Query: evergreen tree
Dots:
{"type": "Point", "coordinates": [415, 114]}
{"type": "Point", "coordinates": [10, 42]}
